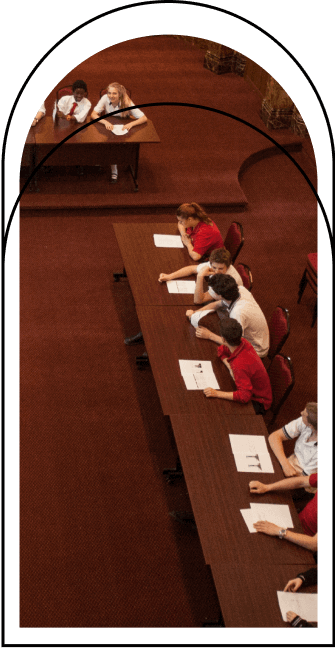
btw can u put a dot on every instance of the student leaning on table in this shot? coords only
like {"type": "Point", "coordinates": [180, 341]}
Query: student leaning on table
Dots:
{"type": "Point", "coordinates": [39, 115]}
{"type": "Point", "coordinates": [219, 263]}
{"type": "Point", "coordinates": [304, 460]}
{"type": "Point", "coordinates": [198, 232]}
{"type": "Point", "coordinates": [246, 368]}
{"type": "Point", "coordinates": [238, 303]}
{"type": "Point", "coordinates": [116, 99]}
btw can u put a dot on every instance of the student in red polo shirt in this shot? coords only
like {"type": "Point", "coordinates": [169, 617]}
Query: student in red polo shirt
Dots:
{"type": "Point", "coordinates": [198, 232]}
{"type": "Point", "coordinates": [247, 369]}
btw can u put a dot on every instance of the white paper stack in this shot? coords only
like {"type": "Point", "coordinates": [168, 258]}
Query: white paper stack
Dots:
{"type": "Point", "coordinates": [181, 287]}
{"type": "Point", "coordinates": [117, 129]}
{"type": "Point", "coordinates": [276, 513]}
{"type": "Point", "coordinates": [250, 453]}
{"type": "Point", "coordinates": [305, 605]}
{"type": "Point", "coordinates": [168, 241]}
{"type": "Point", "coordinates": [198, 374]}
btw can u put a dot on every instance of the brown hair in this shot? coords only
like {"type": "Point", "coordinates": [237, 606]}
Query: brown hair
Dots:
{"type": "Point", "coordinates": [195, 211]}
{"type": "Point", "coordinates": [312, 414]}
{"type": "Point", "coordinates": [221, 255]}
{"type": "Point", "coordinates": [124, 99]}
{"type": "Point", "coordinates": [231, 330]}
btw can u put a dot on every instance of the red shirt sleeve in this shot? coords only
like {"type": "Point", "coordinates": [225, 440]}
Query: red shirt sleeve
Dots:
{"type": "Point", "coordinates": [313, 480]}
{"type": "Point", "coordinates": [244, 386]}
{"type": "Point", "coordinates": [203, 239]}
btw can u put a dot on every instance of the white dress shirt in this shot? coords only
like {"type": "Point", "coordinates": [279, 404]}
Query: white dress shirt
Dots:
{"type": "Point", "coordinates": [254, 325]}
{"type": "Point", "coordinates": [81, 110]}
{"type": "Point", "coordinates": [105, 105]}
{"type": "Point", "coordinates": [306, 451]}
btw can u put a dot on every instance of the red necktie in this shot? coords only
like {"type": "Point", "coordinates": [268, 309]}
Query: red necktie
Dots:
{"type": "Point", "coordinates": [74, 106]}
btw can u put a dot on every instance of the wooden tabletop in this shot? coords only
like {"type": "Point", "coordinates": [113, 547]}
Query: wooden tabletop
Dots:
{"type": "Point", "coordinates": [144, 261]}
{"type": "Point", "coordinates": [47, 132]}
{"type": "Point", "coordinates": [248, 594]}
{"type": "Point", "coordinates": [218, 491]}
{"type": "Point", "coordinates": [169, 337]}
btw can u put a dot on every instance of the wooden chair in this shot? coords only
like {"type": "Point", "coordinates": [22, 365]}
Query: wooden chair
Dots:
{"type": "Point", "coordinates": [310, 277]}
{"type": "Point", "coordinates": [245, 274]}
{"type": "Point", "coordinates": [282, 382]}
{"type": "Point", "coordinates": [234, 240]}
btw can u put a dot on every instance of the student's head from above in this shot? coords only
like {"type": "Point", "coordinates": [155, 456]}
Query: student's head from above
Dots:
{"type": "Point", "coordinates": [225, 286]}
{"type": "Point", "coordinates": [117, 94]}
{"type": "Point", "coordinates": [310, 415]}
{"type": "Point", "coordinates": [220, 260]}
{"type": "Point", "coordinates": [79, 90]}
{"type": "Point", "coordinates": [231, 331]}
{"type": "Point", "coordinates": [190, 214]}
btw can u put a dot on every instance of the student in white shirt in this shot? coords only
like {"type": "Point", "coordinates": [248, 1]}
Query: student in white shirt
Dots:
{"type": "Point", "coordinates": [39, 115]}
{"type": "Point", "coordinates": [74, 107]}
{"type": "Point", "coordinates": [304, 460]}
{"type": "Point", "coordinates": [116, 99]}
{"type": "Point", "coordinates": [219, 263]}
{"type": "Point", "coordinates": [237, 302]}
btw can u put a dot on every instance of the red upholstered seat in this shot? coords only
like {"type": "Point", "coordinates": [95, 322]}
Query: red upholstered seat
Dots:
{"type": "Point", "coordinates": [312, 262]}
{"type": "Point", "coordinates": [282, 381]}
{"type": "Point", "coordinates": [279, 327]}
{"type": "Point", "coordinates": [245, 274]}
{"type": "Point", "coordinates": [62, 92]}
{"type": "Point", "coordinates": [234, 240]}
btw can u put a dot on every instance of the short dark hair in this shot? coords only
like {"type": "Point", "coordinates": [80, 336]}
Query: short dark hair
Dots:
{"type": "Point", "coordinates": [224, 285]}
{"type": "Point", "coordinates": [79, 84]}
{"type": "Point", "coordinates": [221, 255]}
{"type": "Point", "coordinates": [231, 330]}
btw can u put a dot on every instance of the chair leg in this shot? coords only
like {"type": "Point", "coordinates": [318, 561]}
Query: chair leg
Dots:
{"type": "Point", "coordinates": [174, 473]}
{"type": "Point", "coordinates": [118, 275]}
{"type": "Point", "coordinates": [315, 313]}
{"type": "Point", "coordinates": [302, 285]}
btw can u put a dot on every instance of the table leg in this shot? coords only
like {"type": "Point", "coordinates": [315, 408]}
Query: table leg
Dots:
{"type": "Point", "coordinates": [135, 170]}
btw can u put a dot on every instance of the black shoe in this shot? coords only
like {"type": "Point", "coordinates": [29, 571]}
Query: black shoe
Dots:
{"type": "Point", "coordinates": [184, 517]}
{"type": "Point", "coordinates": [136, 339]}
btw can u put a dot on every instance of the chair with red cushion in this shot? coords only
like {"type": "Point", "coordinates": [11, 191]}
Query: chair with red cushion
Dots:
{"type": "Point", "coordinates": [63, 92]}
{"type": "Point", "coordinates": [282, 381]}
{"type": "Point", "coordinates": [279, 328]}
{"type": "Point", "coordinates": [310, 277]}
{"type": "Point", "coordinates": [245, 274]}
{"type": "Point", "coordinates": [234, 240]}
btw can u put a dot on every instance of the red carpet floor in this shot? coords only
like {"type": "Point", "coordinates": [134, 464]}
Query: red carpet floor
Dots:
{"type": "Point", "coordinates": [98, 547]}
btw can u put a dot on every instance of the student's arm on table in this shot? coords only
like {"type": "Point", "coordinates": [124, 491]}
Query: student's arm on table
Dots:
{"type": "Point", "coordinates": [183, 272]}
{"type": "Point", "coordinates": [301, 539]}
{"type": "Point", "coordinates": [276, 443]}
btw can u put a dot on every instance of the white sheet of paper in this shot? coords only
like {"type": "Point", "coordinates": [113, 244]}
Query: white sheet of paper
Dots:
{"type": "Point", "coordinates": [248, 519]}
{"type": "Point", "coordinates": [305, 605]}
{"type": "Point", "coordinates": [276, 513]}
{"type": "Point", "coordinates": [196, 317]}
{"type": "Point", "coordinates": [168, 241]}
{"type": "Point", "coordinates": [181, 287]}
{"type": "Point", "coordinates": [198, 374]}
{"type": "Point", "coordinates": [117, 129]}
{"type": "Point", "coordinates": [250, 453]}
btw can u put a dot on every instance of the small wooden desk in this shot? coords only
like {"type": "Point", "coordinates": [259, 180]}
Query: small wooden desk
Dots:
{"type": "Point", "coordinates": [94, 145]}
{"type": "Point", "coordinates": [248, 595]}
{"type": "Point", "coordinates": [169, 337]}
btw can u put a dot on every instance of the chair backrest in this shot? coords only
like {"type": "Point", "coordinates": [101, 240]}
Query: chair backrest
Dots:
{"type": "Point", "coordinates": [279, 328]}
{"type": "Point", "coordinates": [103, 91]}
{"type": "Point", "coordinates": [62, 92]}
{"type": "Point", "coordinates": [282, 381]}
{"type": "Point", "coordinates": [234, 239]}
{"type": "Point", "coordinates": [245, 274]}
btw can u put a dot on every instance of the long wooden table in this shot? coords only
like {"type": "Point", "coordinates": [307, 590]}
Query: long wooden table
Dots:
{"type": "Point", "coordinates": [94, 145]}
{"type": "Point", "coordinates": [248, 568]}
